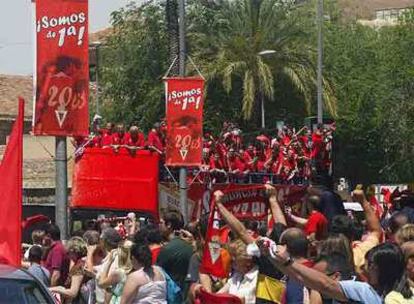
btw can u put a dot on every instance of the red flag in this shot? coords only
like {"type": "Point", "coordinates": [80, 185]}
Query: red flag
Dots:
{"type": "Point", "coordinates": [11, 194]}
{"type": "Point", "coordinates": [245, 203]}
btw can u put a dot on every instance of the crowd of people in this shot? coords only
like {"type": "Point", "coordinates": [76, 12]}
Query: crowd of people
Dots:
{"type": "Point", "coordinates": [287, 156]}
{"type": "Point", "coordinates": [324, 255]}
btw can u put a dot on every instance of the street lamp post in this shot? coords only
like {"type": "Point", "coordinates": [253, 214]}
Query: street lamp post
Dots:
{"type": "Point", "coordinates": [96, 45]}
{"type": "Point", "coordinates": [264, 53]}
{"type": "Point", "coordinates": [181, 61]}
{"type": "Point", "coordinates": [320, 61]}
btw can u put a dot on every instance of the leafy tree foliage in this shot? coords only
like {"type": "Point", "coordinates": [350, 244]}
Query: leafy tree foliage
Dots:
{"type": "Point", "coordinates": [368, 74]}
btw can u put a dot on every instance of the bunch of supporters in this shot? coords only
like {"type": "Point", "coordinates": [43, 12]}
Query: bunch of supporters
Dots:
{"type": "Point", "coordinates": [323, 256]}
{"type": "Point", "coordinates": [286, 156]}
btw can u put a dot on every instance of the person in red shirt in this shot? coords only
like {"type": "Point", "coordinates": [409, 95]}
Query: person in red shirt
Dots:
{"type": "Point", "coordinates": [107, 135]}
{"type": "Point", "coordinates": [135, 138]}
{"type": "Point", "coordinates": [154, 139]}
{"type": "Point", "coordinates": [57, 259]}
{"type": "Point", "coordinates": [217, 167]}
{"type": "Point", "coordinates": [236, 166]}
{"type": "Point", "coordinates": [118, 138]}
{"type": "Point", "coordinates": [316, 225]}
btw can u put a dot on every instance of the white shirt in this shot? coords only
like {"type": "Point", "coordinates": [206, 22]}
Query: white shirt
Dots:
{"type": "Point", "coordinates": [244, 286]}
{"type": "Point", "coordinates": [99, 292]}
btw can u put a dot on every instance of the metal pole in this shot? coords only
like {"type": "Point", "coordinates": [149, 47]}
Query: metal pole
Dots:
{"type": "Point", "coordinates": [61, 194]}
{"type": "Point", "coordinates": [97, 78]}
{"type": "Point", "coordinates": [263, 113]}
{"type": "Point", "coordinates": [320, 61]}
{"type": "Point", "coordinates": [182, 58]}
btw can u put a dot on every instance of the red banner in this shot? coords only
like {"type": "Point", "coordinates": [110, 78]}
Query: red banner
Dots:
{"type": "Point", "coordinates": [62, 87]}
{"type": "Point", "coordinates": [246, 202]}
{"type": "Point", "coordinates": [104, 179]}
{"type": "Point", "coordinates": [184, 104]}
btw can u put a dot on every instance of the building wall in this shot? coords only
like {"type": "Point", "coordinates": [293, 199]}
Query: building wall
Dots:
{"type": "Point", "coordinates": [6, 127]}
{"type": "Point", "coordinates": [374, 9]}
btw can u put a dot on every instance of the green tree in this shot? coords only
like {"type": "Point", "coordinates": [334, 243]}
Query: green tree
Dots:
{"type": "Point", "coordinates": [244, 29]}
{"type": "Point", "coordinates": [134, 61]}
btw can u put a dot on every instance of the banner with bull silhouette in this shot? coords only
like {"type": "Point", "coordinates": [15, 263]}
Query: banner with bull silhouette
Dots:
{"type": "Point", "coordinates": [184, 107]}
{"type": "Point", "coordinates": [62, 68]}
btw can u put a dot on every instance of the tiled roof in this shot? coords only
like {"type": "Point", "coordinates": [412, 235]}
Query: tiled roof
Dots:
{"type": "Point", "coordinates": [100, 36]}
{"type": "Point", "coordinates": [11, 87]}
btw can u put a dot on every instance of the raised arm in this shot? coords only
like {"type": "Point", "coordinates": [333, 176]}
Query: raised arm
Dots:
{"type": "Point", "coordinates": [278, 216]}
{"type": "Point", "coordinates": [373, 223]}
{"type": "Point", "coordinates": [307, 276]}
{"type": "Point", "coordinates": [235, 225]}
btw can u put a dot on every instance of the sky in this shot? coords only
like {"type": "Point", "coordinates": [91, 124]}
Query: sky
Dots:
{"type": "Point", "coordinates": [16, 34]}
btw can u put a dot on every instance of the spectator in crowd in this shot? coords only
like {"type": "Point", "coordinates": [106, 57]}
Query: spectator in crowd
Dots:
{"type": "Point", "coordinates": [360, 244]}
{"type": "Point", "coordinates": [405, 234]}
{"type": "Point", "coordinates": [155, 139]}
{"type": "Point", "coordinates": [115, 281]}
{"type": "Point", "coordinates": [40, 272]}
{"type": "Point", "coordinates": [151, 236]}
{"type": "Point", "coordinates": [396, 221]}
{"type": "Point", "coordinates": [175, 256]}
{"type": "Point", "coordinates": [243, 281]}
{"type": "Point", "coordinates": [269, 288]}
{"type": "Point", "coordinates": [337, 243]}
{"type": "Point", "coordinates": [57, 260]}
{"type": "Point", "coordinates": [147, 284]}
{"type": "Point", "coordinates": [316, 225]}
{"type": "Point", "coordinates": [71, 289]}
{"type": "Point", "coordinates": [297, 245]}
{"type": "Point", "coordinates": [37, 240]}
{"type": "Point", "coordinates": [110, 240]}
{"type": "Point", "coordinates": [337, 267]}
{"type": "Point", "coordinates": [135, 139]}
{"type": "Point", "coordinates": [330, 202]}
{"type": "Point", "coordinates": [106, 135]}
{"type": "Point", "coordinates": [408, 249]}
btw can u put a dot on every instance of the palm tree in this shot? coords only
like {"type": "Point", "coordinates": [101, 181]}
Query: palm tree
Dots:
{"type": "Point", "coordinates": [246, 28]}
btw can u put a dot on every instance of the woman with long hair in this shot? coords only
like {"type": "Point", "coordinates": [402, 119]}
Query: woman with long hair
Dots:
{"type": "Point", "coordinates": [115, 281]}
{"type": "Point", "coordinates": [70, 292]}
{"type": "Point", "coordinates": [147, 283]}
{"type": "Point", "coordinates": [337, 243]}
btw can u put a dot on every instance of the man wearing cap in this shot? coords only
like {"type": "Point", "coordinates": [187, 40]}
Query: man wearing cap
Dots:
{"type": "Point", "coordinates": [110, 239]}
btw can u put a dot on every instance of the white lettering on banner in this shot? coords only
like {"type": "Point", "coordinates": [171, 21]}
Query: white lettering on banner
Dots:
{"type": "Point", "coordinates": [50, 22]}
{"type": "Point", "coordinates": [70, 26]}
{"type": "Point", "coordinates": [244, 194]}
{"type": "Point", "coordinates": [255, 209]}
{"type": "Point", "coordinates": [66, 98]}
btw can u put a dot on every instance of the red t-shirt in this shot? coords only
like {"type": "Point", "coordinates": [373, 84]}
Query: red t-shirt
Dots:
{"type": "Point", "coordinates": [318, 224]}
{"type": "Point", "coordinates": [58, 259]}
{"type": "Point", "coordinates": [107, 138]}
{"type": "Point", "coordinates": [155, 140]}
{"type": "Point", "coordinates": [118, 139]}
{"type": "Point", "coordinates": [216, 164]}
{"type": "Point", "coordinates": [139, 142]}
{"type": "Point", "coordinates": [236, 164]}
{"type": "Point", "coordinates": [154, 253]}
